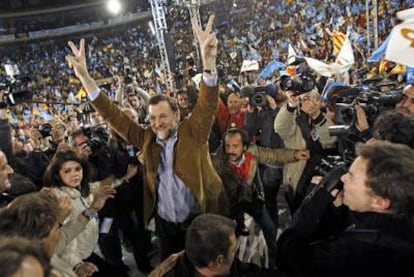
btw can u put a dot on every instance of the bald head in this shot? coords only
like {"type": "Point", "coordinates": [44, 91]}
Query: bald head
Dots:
{"type": "Point", "coordinates": [406, 105]}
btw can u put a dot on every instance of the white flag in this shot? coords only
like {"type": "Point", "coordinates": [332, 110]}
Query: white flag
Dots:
{"type": "Point", "coordinates": [320, 67]}
{"type": "Point", "coordinates": [345, 58]}
{"type": "Point", "coordinates": [291, 55]}
{"type": "Point", "coordinates": [249, 66]}
{"type": "Point", "coordinates": [400, 48]}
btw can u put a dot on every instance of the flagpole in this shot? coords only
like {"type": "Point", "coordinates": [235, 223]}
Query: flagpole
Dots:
{"type": "Point", "coordinates": [375, 4]}
{"type": "Point", "coordinates": [367, 22]}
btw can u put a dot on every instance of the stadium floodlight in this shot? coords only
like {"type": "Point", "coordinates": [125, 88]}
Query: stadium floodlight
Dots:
{"type": "Point", "coordinates": [113, 6]}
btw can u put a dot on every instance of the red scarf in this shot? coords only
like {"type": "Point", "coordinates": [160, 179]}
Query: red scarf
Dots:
{"type": "Point", "coordinates": [242, 168]}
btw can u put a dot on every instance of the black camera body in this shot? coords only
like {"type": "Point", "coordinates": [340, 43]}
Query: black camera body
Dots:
{"type": "Point", "coordinates": [45, 130]}
{"type": "Point", "coordinates": [332, 168]}
{"type": "Point", "coordinates": [94, 141]}
{"type": "Point", "coordinates": [257, 95]}
{"type": "Point", "coordinates": [300, 85]}
{"type": "Point", "coordinates": [372, 102]}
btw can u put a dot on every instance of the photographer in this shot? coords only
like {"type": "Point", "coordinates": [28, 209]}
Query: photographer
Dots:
{"type": "Point", "coordinates": [90, 147]}
{"type": "Point", "coordinates": [301, 123]}
{"type": "Point", "coordinates": [259, 125]}
{"type": "Point", "coordinates": [376, 235]}
{"type": "Point", "coordinates": [136, 98]}
{"type": "Point", "coordinates": [360, 129]}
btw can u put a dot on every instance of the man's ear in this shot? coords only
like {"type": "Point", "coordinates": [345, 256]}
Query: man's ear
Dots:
{"type": "Point", "coordinates": [216, 264]}
{"type": "Point", "coordinates": [380, 203]}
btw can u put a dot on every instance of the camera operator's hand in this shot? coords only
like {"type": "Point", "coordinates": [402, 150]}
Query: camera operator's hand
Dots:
{"type": "Point", "coordinates": [36, 138]}
{"type": "Point", "coordinates": [293, 100]}
{"type": "Point", "coordinates": [84, 151]}
{"type": "Point", "coordinates": [208, 43]}
{"type": "Point", "coordinates": [339, 197]}
{"type": "Point", "coordinates": [63, 147]}
{"type": "Point", "coordinates": [250, 108]}
{"type": "Point", "coordinates": [361, 118]}
{"type": "Point", "coordinates": [271, 102]}
{"type": "Point", "coordinates": [100, 197]}
{"type": "Point", "coordinates": [301, 155]}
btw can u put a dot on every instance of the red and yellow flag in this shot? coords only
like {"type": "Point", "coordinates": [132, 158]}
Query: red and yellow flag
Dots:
{"type": "Point", "coordinates": [338, 39]}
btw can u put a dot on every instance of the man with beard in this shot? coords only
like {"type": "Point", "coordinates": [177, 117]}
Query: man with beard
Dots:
{"type": "Point", "coordinates": [180, 180]}
{"type": "Point", "coordinates": [237, 162]}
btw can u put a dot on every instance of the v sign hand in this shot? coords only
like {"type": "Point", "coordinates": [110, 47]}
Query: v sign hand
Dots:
{"type": "Point", "coordinates": [208, 43]}
{"type": "Point", "coordinates": [77, 62]}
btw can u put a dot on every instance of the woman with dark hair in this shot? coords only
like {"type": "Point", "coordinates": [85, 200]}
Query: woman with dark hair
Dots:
{"type": "Point", "coordinates": [69, 175]}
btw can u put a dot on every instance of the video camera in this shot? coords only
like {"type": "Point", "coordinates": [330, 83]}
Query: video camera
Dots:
{"type": "Point", "coordinates": [257, 95]}
{"type": "Point", "coordinates": [300, 85]}
{"type": "Point", "coordinates": [371, 100]}
{"type": "Point", "coordinates": [94, 139]}
{"type": "Point", "coordinates": [331, 169]}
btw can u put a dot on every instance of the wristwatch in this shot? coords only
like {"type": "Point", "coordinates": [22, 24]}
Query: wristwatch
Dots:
{"type": "Point", "coordinates": [88, 214]}
{"type": "Point", "coordinates": [210, 71]}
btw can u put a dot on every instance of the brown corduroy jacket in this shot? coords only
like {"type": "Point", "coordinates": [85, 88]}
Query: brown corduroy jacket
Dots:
{"type": "Point", "coordinates": [192, 162]}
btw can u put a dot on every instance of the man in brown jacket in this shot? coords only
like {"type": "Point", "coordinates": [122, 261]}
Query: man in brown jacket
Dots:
{"type": "Point", "coordinates": [180, 180]}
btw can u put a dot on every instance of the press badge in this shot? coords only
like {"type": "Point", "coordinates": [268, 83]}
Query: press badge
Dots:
{"type": "Point", "coordinates": [106, 225]}
{"type": "Point", "coordinates": [315, 134]}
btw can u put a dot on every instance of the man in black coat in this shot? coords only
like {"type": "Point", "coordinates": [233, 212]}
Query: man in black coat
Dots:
{"type": "Point", "coordinates": [374, 237]}
{"type": "Point", "coordinates": [210, 249]}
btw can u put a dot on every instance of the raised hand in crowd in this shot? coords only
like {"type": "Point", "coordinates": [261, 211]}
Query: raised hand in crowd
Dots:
{"type": "Point", "coordinates": [77, 62]}
{"type": "Point", "coordinates": [100, 197]}
{"type": "Point", "coordinates": [361, 122]}
{"type": "Point", "coordinates": [208, 43]}
{"type": "Point", "coordinates": [292, 99]}
{"type": "Point", "coordinates": [65, 204]}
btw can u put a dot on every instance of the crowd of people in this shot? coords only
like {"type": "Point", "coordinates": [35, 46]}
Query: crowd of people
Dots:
{"type": "Point", "coordinates": [104, 148]}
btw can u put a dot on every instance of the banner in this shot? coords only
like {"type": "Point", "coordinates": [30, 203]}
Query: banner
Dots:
{"type": "Point", "coordinates": [401, 45]}
{"type": "Point", "coordinates": [249, 66]}
{"type": "Point", "coordinates": [270, 68]}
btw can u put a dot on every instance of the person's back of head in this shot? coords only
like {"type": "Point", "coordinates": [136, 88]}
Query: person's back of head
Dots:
{"type": "Point", "coordinates": [210, 243]}
{"type": "Point", "coordinates": [22, 257]}
{"type": "Point", "coordinates": [395, 127]}
{"type": "Point", "coordinates": [389, 174]}
{"type": "Point", "coordinates": [31, 215]}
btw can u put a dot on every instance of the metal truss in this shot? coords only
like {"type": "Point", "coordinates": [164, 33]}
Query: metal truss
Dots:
{"type": "Point", "coordinates": [158, 14]}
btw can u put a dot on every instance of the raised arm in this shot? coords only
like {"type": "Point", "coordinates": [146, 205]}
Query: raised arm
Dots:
{"type": "Point", "coordinates": [202, 117]}
{"type": "Point", "coordinates": [119, 121]}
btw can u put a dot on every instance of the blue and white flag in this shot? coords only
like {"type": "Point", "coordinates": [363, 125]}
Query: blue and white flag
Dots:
{"type": "Point", "coordinates": [380, 52]}
{"type": "Point", "coordinates": [410, 75]}
{"type": "Point", "coordinates": [270, 68]}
